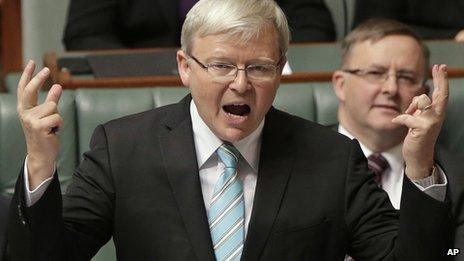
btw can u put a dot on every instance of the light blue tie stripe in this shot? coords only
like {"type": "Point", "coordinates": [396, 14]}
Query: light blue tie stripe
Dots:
{"type": "Point", "coordinates": [227, 211]}
{"type": "Point", "coordinates": [221, 228]}
{"type": "Point", "coordinates": [225, 200]}
{"type": "Point", "coordinates": [233, 241]}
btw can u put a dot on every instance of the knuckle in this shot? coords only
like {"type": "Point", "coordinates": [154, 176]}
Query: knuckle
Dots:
{"type": "Point", "coordinates": [53, 106]}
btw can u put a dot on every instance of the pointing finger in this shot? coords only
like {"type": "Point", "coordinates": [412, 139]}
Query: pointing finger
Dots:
{"type": "Point", "coordinates": [441, 88]}
{"type": "Point", "coordinates": [24, 80]}
{"type": "Point", "coordinates": [31, 91]}
{"type": "Point", "coordinates": [54, 93]}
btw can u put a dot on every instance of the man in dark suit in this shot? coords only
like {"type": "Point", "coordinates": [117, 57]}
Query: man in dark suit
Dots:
{"type": "Point", "coordinates": [431, 19]}
{"type": "Point", "coordinates": [221, 175]}
{"type": "Point", "coordinates": [385, 67]}
{"type": "Point", "coordinates": [116, 24]}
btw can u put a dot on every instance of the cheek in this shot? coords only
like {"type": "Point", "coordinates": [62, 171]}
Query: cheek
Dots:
{"type": "Point", "coordinates": [265, 96]}
{"type": "Point", "coordinates": [360, 99]}
{"type": "Point", "coordinates": [406, 99]}
{"type": "Point", "coordinates": [206, 93]}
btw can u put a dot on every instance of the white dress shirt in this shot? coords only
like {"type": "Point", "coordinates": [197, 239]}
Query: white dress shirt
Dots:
{"type": "Point", "coordinates": [206, 144]}
{"type": "Point", "coordinates": [392, 179]}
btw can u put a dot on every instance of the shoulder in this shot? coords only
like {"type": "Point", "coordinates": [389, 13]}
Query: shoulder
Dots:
{"type": "Point", "coordinates": [307, 130]}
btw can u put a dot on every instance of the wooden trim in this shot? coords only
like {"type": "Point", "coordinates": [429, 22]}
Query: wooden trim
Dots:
{"type": "Point", "coordinates": [11, 40]}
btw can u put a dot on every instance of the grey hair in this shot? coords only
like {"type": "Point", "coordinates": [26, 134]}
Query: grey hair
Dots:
{"type": "Point", "coordinates": [244, 19]}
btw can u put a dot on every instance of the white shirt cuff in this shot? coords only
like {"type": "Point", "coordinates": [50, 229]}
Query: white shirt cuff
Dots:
{"type": "Point", "coordinates": [434, 185]}
{"type": "Point", "coordinates": [33, 196]}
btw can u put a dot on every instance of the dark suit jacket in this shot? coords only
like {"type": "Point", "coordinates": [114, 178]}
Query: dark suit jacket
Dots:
{"type": "Point", "coordinates": [431, 19]}
{"type": "Point", "coordinates": [114, 24]}
{"type": "Point", "coordinates": [4, 207]}
{"type": "Point", "coordinates": [452, 166]}
{"type": "Point", "coordinates": [314, 199]}
{"type": "Point", "coordinates": [309, 20]}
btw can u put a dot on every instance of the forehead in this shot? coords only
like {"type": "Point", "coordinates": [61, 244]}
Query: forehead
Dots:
{"type": "Point", "coordinates": [395, 50]}
{"type": "Point", "coordinates": [234, 45]}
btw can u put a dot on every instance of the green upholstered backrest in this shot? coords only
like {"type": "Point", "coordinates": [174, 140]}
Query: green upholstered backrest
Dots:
{"type": "Point", "coordinates": [325, 103]}
{"type": "Point", "coordinates": [167, 95]}
{"type": "Point", "coordinates": [97, 106]}
{"type": "Point", "coordinates": [11, 82]}
{"type": "Point", "coordinates": [452, 135]}
{"type": "Point", "coordinates": [296, 99]}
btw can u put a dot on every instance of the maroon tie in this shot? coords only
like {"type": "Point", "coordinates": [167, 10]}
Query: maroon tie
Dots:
{"type": "Point", "coordinates": [378, 164]}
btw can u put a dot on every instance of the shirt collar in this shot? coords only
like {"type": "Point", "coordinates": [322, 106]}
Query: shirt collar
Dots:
{"type": "Point", "coordinates": [206, 143]}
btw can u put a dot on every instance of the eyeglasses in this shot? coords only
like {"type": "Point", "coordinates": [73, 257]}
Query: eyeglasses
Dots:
{"type": "Point", "coordinates": [403, 79]}
{"type": "Point", "coordinates": [227, 72]}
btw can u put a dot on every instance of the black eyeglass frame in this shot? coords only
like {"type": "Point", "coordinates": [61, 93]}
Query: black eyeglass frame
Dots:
{"type": "Point", "coordinates": [363, 72]}
{"type": "Point", "coordinates": [276, 67]}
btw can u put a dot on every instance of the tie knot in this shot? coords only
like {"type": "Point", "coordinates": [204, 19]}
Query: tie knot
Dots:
{"type": "Point", "coordinates": [228, 155]}
{"type": "Point", "coordinates": [378, 164]}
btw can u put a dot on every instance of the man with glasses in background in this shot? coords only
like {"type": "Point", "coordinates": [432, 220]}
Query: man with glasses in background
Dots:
{"type": "Point", "coordinates": [384, 69]}
{"type": "Point", "coordinates": [221, 175]}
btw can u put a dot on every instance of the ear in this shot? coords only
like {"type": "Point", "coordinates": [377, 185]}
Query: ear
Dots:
{"type": "Point", "coordinates": [338, 83]}
{"type": "Point", "coordinates": [183, 67]}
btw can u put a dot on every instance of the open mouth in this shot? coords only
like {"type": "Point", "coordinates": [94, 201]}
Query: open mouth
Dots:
{"type": "Point", "coordinates": [237, 109]}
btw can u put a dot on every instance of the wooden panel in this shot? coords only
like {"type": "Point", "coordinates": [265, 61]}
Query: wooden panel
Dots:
{"type": "Point", "coordinates": [11, 40]}
{"type": "Point", "coordinates": [309, 63]}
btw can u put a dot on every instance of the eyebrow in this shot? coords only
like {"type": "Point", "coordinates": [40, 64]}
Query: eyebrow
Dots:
{"type": "Point", "coordinates": [403, 71]}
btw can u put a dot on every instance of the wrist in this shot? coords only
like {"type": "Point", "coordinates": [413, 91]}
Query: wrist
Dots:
{"type": "Point", "coordinates": [418, 172]}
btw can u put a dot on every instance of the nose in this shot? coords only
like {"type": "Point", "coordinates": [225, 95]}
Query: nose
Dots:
{"type": "Point", "coordinates": [390, 85]}
{"type": "Point", "coordinates": [240, 83]}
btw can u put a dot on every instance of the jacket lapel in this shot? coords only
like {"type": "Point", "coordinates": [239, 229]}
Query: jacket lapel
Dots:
{"type": "Point", "coordinates": [276, 160]}
{"type": "Point", "coordinates": [179, 157]}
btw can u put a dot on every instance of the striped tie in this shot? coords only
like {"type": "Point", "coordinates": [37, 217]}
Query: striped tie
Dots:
{"type": "Point", "coordinates": [227, 210]}
{"type": "Point", "coordinates": [378, 164]}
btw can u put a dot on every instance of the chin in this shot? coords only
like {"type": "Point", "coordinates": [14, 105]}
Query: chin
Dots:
{"type": "Point", "coordinates": [233, 134]}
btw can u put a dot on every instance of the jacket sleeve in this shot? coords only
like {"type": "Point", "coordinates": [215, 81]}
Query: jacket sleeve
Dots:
{"type": "Point", "coordinates": [418, 231]}
{"type": "Point", "coordinates": [47, 231]}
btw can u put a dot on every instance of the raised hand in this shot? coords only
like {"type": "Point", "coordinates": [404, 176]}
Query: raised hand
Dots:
{"type": "Point", "coordinates": [424, 118]}
{"type": "Point", "coordinates": [40, 123]}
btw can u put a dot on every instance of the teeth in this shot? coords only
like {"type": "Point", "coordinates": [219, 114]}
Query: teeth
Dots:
{"type": "Point", "coordinates": [235, 116]}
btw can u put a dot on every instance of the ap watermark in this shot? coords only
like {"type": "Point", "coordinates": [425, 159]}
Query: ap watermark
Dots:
{"type": "Point", "coordinates": [453, 252]}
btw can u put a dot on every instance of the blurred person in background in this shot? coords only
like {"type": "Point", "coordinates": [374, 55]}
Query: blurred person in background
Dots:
{"type": "Point", "coordinates": [116, 24]}
{"type": "Point", "coordinates": [385, 65]}
{"type": "Point", "coordinates": [431, 19]}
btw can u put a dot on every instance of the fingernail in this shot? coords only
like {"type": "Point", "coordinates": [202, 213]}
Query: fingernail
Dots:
{"type": "Point", "coordinates": [45, 71]}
